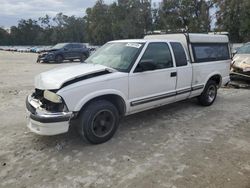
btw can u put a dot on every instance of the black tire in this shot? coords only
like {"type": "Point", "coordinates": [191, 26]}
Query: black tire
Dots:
{"type": "Point", "coordinates": [59, 59]}
{"type": "Point", "coordinates": [209, 94]}
{"type": "Point", "coordinates": [98, 122]}
{"type": "Point", "coordinates": [83, 57]}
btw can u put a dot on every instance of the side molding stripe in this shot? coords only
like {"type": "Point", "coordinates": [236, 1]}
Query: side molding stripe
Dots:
{"type": "Point", "coordinates": [151, 99]}
{"type": "Point", "coordinates": [197, 87]}
{"type": "Point", "coordinates": [163, 96]}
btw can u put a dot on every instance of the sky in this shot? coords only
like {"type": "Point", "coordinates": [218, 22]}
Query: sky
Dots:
{"type": "Point", "coordinates": [13, 10]}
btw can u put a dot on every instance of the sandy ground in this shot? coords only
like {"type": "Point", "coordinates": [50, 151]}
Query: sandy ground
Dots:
{"type": "Point", "coordinates": [181, 145]}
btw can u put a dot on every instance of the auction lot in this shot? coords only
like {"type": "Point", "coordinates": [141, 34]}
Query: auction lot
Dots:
{"type": "Point", "coordinates": [177, 146]}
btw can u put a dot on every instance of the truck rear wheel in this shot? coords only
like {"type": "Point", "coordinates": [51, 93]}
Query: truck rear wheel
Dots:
{"type": "Point", "coordinates": [209, 94]}
{"type": "Point", "coordinates": [98, 122]}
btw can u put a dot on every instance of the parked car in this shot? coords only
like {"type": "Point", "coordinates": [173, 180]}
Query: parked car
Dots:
{"type": "Point", "coordinates": [23, 49]}
{"type": "Point", "coordinates": [240, 67]}
{"type": "Point", "coordinates": [64, 51]}
{"type": "Point", "coordinates": [125, 77]}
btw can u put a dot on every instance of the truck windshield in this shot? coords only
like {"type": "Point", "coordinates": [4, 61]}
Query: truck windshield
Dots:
{"type": "Point", "coordinates": [117, 55]}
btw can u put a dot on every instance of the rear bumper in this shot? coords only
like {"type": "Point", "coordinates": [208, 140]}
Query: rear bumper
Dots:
{"type": "Point", "coordinates": [43, 122]}
{"type": "Point", "coordinates": [225, 80]}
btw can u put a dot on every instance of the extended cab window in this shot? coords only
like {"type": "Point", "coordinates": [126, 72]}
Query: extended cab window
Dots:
{"type": "Point", "coordinates": [210, 52]}
{"type": "Point", "coordinates": [159, 54]}
{"type": "Point", "coordinates": [179, 54]}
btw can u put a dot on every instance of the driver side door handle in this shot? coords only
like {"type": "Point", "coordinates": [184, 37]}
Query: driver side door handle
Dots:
{"type": "Point", "coordinates": [173, 74]}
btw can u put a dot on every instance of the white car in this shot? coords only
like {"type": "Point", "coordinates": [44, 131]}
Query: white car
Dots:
{"type": "Point", "coordinates": [125, 77]}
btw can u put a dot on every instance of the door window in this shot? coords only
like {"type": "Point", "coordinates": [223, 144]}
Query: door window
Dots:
{"type": "Point", "coordinates": [158, 53]}
{"type": "Point", "coordinates": [179, 54]}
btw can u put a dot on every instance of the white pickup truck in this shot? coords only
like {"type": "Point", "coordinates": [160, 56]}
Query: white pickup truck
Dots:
{"type": "Point", "coordinates": [125, 77]}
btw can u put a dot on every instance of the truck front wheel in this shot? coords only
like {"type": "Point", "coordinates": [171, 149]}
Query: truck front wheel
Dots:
{"type": "Point", "coordinates": [209, 94]}
{"type": "Point", "coordinates": [98, 122]}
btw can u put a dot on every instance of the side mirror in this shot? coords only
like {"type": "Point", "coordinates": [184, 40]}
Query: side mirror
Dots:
{"type": "Point", "coordinates": [65, 49]}
{"type": "Point", "coordinates": [145, 65]}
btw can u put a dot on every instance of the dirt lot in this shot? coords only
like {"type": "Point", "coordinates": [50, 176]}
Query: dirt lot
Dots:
{"type": "Point", "coordinates": [179, 145]}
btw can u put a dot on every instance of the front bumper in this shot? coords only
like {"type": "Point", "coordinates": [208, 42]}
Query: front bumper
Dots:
{"type": "Point", "coordinates": [43, 122]}
{"type": "Point", "coordinates": [45, 58]}
{"type": "Point", "coordinates": [238, 73]}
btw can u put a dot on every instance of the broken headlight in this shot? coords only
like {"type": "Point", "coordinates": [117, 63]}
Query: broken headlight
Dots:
{"type": "Point", "coordinates": [51, 96]}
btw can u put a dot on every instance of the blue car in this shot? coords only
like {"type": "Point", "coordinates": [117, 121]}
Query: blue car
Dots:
{"type": "Point", "coordinates": [64, 51]}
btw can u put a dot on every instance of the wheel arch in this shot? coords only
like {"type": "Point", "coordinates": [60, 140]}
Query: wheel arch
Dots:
{"type": "Point", "coordinates": [116, 99]}
{"type": "Point", "coordinates": [215, 77]}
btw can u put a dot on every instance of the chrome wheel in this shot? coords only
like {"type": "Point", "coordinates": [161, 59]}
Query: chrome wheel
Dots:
{"type": "Point", "coordinates": [211, 93]}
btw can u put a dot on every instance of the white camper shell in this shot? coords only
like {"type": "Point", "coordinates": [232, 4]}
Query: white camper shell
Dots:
{"type": "Point", "coordinates": [193, 38]}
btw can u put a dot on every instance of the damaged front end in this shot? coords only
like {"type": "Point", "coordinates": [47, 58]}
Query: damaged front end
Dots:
{"type": "Point", "coordinates": [47, 113]}
{"type": "Point", "coordinates": [240, 70]}
{"type": "Point", "coordinates": [240, 67]}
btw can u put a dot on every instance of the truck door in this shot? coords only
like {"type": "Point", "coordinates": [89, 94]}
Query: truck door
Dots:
{"type": "Point", "coordinates": [184, 71]}
{"type": "Point", "coordinates": [152, 80]}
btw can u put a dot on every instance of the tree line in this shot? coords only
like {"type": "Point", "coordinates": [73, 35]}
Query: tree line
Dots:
{"type": "Point", "coordinates": [133, 19]}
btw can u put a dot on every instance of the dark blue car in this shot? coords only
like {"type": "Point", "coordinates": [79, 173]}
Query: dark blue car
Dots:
{"type": "Point", "coordinates": [65, 51]}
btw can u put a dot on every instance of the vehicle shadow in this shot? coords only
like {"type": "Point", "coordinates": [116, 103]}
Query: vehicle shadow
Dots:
{"type": "Point", "coordinates": [140, 122]}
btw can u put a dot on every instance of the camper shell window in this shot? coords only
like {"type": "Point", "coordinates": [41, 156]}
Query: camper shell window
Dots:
{"type": "Point", "coordinates": [205, 52]}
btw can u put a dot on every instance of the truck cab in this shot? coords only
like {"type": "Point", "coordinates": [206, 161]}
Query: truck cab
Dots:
{"type": "Point", "coordinates": [125, 77]}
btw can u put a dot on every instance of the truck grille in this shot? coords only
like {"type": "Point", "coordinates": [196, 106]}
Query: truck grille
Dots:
{"type": "Point", "coordinates": [38, 94]}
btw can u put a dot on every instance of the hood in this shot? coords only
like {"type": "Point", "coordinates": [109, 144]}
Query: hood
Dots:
{"type": "Point", "coordinates": [56, 78]}
{"type": "Point", "coordinates": [242, 61]}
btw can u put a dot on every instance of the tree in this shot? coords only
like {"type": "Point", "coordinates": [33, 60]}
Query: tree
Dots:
{"type": "Point", "coordinates": [177, 15]}
{"type": "Point", "coordinates": [234, 16]}
{"type": "Point", "coordinates": [4, 37]}
{"type": "Point", "coordinates": [120, 20]}
{"type": "Point", "coordinates": [133, 17]}
{"type": "Point", "coordinates": [25, 33]}
{"type": "Point", "coordinates": [68, 29]}
{"type": "Point", "coordinates": [245, 22]}
{"type": "Point", "coordinates": [99, 23]}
